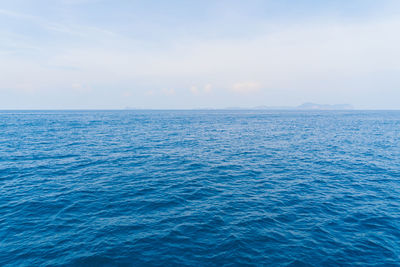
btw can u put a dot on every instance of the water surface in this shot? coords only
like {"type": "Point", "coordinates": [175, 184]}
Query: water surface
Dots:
{"type": "Point", "coordinates": [197, 188]}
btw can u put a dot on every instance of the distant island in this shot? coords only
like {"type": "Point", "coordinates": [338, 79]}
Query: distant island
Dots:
{"type": "Point", "coordinates": [304, 106]}
{"type": "Point", "coordinates": [314, 106]}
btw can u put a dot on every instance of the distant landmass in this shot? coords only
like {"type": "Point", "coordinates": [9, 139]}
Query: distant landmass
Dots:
{"type": "Point", "coordinates": [304, 106]}
{"type": "Point", "coordinates": [314, 106]}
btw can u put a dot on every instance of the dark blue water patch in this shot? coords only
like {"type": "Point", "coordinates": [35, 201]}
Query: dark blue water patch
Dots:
{"type": "Point", "coordinates": [207, 188]}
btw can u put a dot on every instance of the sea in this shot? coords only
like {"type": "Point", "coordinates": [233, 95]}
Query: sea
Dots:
{"type": "Point", "coordinates": [199, 188]}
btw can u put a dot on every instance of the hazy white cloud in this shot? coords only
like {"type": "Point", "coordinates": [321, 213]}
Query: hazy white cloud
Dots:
{"type": "Point", "coordinates": [168, 91]}
{"type": "Point", "coordinates": [290, 57]}
{"type": "Point", "coordinates": [79, 30]}
{"type": "Point", "coordinates": [24, 87]}
{"type": "Point", "coordinates": [206, 89]}
{"type": "Point", "coordinates": [246, 87]}
{"type": "Point", "coordinates": [81, 87]}
{"type": "Point", "coordinates": [150, 93]}
{"type": "Point", "coordinates": [320, 60]}
{"type": "Point", "coordinates": [194, 90]}
{"type": "Point", "coordinates": [127, 93]}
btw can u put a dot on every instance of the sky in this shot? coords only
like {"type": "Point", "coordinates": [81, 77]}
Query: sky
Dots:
{"type": "Point", "coordinates": [98, 54]}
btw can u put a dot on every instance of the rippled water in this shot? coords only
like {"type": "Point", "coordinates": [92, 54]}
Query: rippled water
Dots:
{"type": "Point", "coordinates": [199, 188]}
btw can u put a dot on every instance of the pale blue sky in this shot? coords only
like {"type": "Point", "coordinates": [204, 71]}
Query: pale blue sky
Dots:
{"type": "Point", "coordinates": [198, 54]}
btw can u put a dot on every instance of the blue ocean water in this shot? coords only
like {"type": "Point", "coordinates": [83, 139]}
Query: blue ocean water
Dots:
{"type": "Point", "coordinates": [200, 188]}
